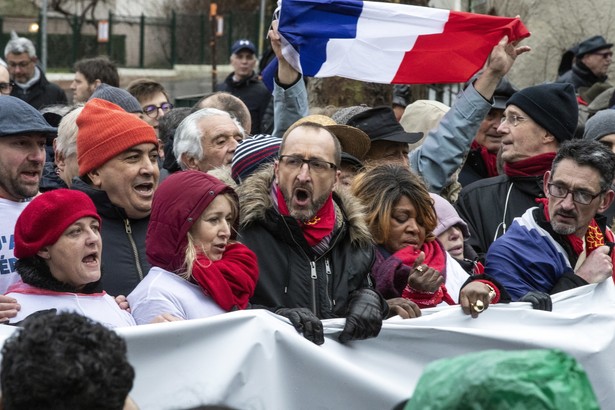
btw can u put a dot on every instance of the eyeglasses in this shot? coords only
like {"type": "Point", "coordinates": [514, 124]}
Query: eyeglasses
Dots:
{"type": "Point", "coordinates": [580, 197]}
{"type": "Point", "coordinates": [319, 166]}
{"type": "Point", "coordinates": [606, 54]}
{"type": "Point", "coordinates": [152, 110]}
{"type": "Point", "coordinates": [22, 64]}
{"type": "Point", "coordinates": [6, 87]}
{"type": "Point", "coordinates": [513, 120]}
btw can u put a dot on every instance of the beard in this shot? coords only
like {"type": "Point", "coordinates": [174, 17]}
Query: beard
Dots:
{"type": "Point", "coordinates": [563, 228]}
{"type": "Point", "coordinates": [306, 213]}
{"type": "Point", "coordinates": [17, 189]}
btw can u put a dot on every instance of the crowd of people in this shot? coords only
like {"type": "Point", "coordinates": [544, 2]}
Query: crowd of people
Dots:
{"type": "Point", "coordinates": [129, 211]}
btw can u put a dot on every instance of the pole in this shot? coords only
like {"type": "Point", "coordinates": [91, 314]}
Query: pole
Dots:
{"type": "Point", "coordinates": [202, 32]}
{"type": "Point", "coordinates": [43, 30]}
{"type": "Point", "coordinates": [213, 11]}
{"type": "Point", "coordinates": [142, 42]}
{"type": "Point", "coordinates": [76, 38]}
{"type": "Point", "coordinates": [173, 38]}
{"type": "Point", "coordinates": [261, 29]}
{"type": "Point", "coordinates": [110, 42]}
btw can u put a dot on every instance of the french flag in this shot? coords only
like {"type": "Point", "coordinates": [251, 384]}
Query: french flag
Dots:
{"type": "Point", "coordinates": [389, 43]}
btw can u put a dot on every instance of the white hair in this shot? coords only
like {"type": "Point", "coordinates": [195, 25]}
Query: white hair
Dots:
{"type": "Point", "coordinates": [188, 135]}
{"type": "Point", "coordinates": [19, 45]}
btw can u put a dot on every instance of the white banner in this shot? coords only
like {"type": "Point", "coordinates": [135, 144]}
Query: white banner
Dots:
{"type": "Point", "coordinates": [256, 360]}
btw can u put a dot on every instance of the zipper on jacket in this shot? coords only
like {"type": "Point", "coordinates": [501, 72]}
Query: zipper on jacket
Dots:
{"type": "Point", "coordinates": [314, 280]}
{"type": "Point", "coordinates": [328, 272]}
{"type": "Point", "coordinates": [135, 251]}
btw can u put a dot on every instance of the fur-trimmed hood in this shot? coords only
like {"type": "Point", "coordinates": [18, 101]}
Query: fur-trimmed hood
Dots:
{"type": "Point", "coordinates": [255, 200]}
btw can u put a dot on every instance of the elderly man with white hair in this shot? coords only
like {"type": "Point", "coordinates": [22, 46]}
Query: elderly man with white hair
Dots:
{"type": "Point", "coordinates": [207, 139]}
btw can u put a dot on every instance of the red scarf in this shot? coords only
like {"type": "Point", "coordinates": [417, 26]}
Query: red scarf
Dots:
{"type": "Point", "coordinates": [317, 228]}
{"type": "Point", "coordinates": [435, 257]}
{"type": "Point", "coordinates": [593, 237]}
{"type": "Point", "coordinates": [530, 167]}
{"type": "Point", "coordinates": [490, 160]}
{"type": "Point", "coordinates": [231, 280]}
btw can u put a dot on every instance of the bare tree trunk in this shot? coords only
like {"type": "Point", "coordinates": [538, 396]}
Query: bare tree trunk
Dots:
{"type": "Point", "coordinates": [342, 92]}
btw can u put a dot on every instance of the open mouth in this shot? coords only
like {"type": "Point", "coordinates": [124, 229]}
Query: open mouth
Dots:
{"type": "Point", "coordinates": [146, 188]}
{"type": "Point", "coordinates": [302, 196]}
{"type": "Point", "coordinates": [31, 174]}
{"type": "Point", "coordinates": [91, 259]}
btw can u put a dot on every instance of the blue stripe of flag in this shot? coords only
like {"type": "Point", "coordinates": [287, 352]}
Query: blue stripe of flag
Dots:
{"type": "Point", "coordinates": [309, 24]}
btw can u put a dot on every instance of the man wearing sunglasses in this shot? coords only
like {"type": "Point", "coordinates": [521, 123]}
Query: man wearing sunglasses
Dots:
{"type": "Point", "coordinates": [30, 83]}
{"type": "Point", "coordinates": [592, 60]}
{"type": "Point", "coordinates": [564, 242]}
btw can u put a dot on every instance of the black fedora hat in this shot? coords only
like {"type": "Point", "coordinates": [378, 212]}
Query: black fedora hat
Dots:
{"type": "Point", "coordinates": [589, 45]}
{"type": "Point", "coordinates": [380, 124]}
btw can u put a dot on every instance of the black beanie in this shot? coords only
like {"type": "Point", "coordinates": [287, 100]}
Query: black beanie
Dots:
{"type": "Point", "coordinates": [553, 106]}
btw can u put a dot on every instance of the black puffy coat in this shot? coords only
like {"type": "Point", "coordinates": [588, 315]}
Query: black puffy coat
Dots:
{"type": "Point", "coordinates": [291, 275]}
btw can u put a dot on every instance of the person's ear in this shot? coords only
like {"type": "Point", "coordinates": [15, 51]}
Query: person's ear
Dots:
{"type": "Point", "coordinates": [94, 176]}
{"type": "Point", "coordinates": [545, 183]}
{"type": "Point", "coordinates": [44, 253]}
{"type": "Point", "coordinates": [190, 162]}
{"type": "Point", "coordinates": [606, 201]}
{"type": "Point", "coordinates": [276, 171]}
{"type": "Point", "coordinates": [549, 138]}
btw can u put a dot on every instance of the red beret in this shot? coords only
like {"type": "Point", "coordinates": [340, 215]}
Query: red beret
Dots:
{"type": "Point", "coordinates": [46, 218]}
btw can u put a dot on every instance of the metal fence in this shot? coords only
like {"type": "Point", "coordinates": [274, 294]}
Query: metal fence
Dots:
{"type": "Point", "coordinates": [143, 42]}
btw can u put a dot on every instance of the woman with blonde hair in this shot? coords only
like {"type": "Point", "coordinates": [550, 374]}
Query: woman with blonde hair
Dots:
{"type": "Point", "coordinates": [198, 269]}
{"type": "Point", "coordinates": [410, 261]}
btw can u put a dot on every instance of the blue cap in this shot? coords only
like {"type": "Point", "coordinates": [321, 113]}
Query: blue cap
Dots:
{"type": "Point", "coordinates": [243, 44]}
{"type": "Point", "coordinates": [17, 117]}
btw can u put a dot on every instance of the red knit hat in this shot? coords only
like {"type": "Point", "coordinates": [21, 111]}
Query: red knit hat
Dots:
{"type": "Point", "coordinates": [46, 218]}
{"type": "Point", "coordinates": [106, 130]}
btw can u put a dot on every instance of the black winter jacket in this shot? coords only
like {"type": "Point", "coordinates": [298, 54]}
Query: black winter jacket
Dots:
{"type": "Point", "coordinates": [124, 262]}
{"type": "Point", "coordinates": [41, 94]}
{"type": "Point", "coordinates": [290, 274]}
{"type": "Point", "coordinates": [253, 93]}
{"type": "Point", "coordinates": [473, 169]}
{"type": "Point", "coordinates": [487, 210]}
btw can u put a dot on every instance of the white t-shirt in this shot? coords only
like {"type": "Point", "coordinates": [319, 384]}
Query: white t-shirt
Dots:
{"type": "Point", "coordinates": [97, 306]}
{"type": "Point", "coordinates": [165, 292]}
{"type": "Point", "coordinates": [9, 212]}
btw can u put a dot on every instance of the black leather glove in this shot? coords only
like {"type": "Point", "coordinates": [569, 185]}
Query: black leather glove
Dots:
{"type": "Point", "coordinates": [365, 313]}
{"type": "Point", "coordinates": [305, 322]}
{"type": "Point", "coordinates": [539, 300]}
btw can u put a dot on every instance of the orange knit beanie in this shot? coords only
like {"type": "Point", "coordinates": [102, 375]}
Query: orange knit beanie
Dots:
{"type": "Point", "coordinates": [106, 130]}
